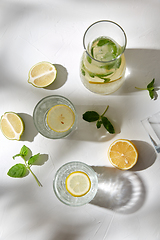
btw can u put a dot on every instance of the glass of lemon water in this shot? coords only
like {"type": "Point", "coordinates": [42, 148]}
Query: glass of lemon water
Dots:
{"type": "Point", "coordinates": [102, 67]}
{"type": "Point", "coordinates": [55, 117]}
{"type": "Point", "coordinates": [75, 183]}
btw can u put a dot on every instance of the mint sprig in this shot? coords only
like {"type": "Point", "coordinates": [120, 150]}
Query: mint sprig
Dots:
{"type": "Point", "coordinates": [150, 88]}
{"type": "Point", "coordinates": [20, 170]}
{"type": "Point", "coordinates": [92, 116]}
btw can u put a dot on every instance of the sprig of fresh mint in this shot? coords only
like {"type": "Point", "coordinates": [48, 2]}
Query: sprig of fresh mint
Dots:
{"type": "Point", "coordinates": [92, 116]}
{"type": "Point", "coordinates": [150, 88]}
{"type": "Point", "coordinates": [20, 170]}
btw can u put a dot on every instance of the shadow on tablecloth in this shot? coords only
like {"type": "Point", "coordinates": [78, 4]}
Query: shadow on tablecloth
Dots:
{"type": "Point", "coordinates": [119, 191]}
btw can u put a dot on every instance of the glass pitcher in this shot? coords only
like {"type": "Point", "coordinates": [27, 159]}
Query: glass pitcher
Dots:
{"type": "Point", "coordinates": [103, 64]}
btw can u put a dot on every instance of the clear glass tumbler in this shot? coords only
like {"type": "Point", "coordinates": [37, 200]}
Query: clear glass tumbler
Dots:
{"type": "Point", "coordinates": [59, 185]}
{"type": "Point", "coordinates": [40, 116]}
{"type": "Point", "coordinates": [103, 64]}
{"type": "Point", "coordinates": [152, 126]}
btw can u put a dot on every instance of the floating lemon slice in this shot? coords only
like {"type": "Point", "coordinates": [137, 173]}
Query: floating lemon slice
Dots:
{"type": "Point", "coordinates": [12, 126]}
{"type": "Point", "coordinates": [42, 74]}
{"type": "Point", "coordinates": [78, 184]}
{"type": "Point", "coordinates": [60, 118]}
{"type": "Point", "coordinates": [123, 154]}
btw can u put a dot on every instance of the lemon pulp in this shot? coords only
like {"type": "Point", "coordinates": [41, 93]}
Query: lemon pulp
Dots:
{"type": "Point", "coordinates": [78, 183]}
{"type": "Point", "coordinates": [42, 74]}
{"type": "Point", "coordinates": [12, 126]}
{"type": "Point", "coordinates": [123, 154]}
{"type": "Point", "coordinates": [60, 118]}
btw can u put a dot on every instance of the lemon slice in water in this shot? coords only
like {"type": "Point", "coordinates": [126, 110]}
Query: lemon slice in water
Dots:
{"type": "Point", "coordinates": [12, 126]}
{"type": "Point", "coordinates": [42, 74]}
{"type": "Point", "coordinates": [60, 118]}
{"type": "Point", "coordinates": [78, 184]}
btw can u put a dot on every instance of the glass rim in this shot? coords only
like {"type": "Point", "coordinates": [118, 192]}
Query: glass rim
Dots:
{"type": "Point", "coordinates": [108, 21]}
{"type": "Point", "coordinates": [51, 96]}
{"type": "Point", "coordinates": [73, 162]}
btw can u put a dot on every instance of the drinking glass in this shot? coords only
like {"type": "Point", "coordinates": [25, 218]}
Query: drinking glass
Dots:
{"type": "Point", "coordinates": [60, 188]}
{"type": "Point", "coordinates": [40, 116]}
{"type": "Point", "coordinates": [103, 64]}
{"type": "Point", "coordinates": [152, 127]}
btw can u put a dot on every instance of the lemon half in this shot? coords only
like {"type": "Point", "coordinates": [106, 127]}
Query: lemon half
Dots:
{"type": "Point", "coordinates": [42, 74]}
{"type": "Point", "coordinates": [123, 154]}
{"type": "Point", "coordinates": [78, 183]}
{"type": "Point", "coordinates": [12, 126]}
{"type": "Point", "coordinates": [60, 118]}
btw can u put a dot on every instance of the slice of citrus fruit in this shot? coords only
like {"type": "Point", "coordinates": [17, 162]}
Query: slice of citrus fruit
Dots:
{"type": "Point", "coordinates": [12, 125]}
{"type": "Point", "coordinates": [123, 154]}
{"type": "Point", "coordinates": [42, 74]}
{"type": "Point", "coordinates": [60, 118]}
{"type": "Point", "coordinates": [78, 184]}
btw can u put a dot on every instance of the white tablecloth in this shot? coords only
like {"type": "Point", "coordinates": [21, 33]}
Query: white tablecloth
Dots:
{"type": "Point", "coordinates": [127, 207]}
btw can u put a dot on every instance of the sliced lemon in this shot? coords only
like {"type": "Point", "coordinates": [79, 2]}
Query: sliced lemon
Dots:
{"type": "Point", "coordinates": [60, 118]}
{"type": "Point", "coordinates": [123, 154]}
{"type": "Point", "coordinates": [42, 74]}
{"type": "Point", "coordinates": [12, 126]}
{"type": "Point", "coordinates": [78, 184]}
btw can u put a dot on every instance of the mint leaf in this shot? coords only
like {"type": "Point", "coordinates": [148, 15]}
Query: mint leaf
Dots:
{"type": "Point", "coordinates": [92, 75]}
{"type": "Point", "coordinates": [33, 159]}
{"type": "Point", "coordinates": [151, 94]}
{"type": "Point", "coordinates": [113, 65]}
{"type": "Point", "coordinates": [89, 59]}
{"type": "Point", "coordinates": [106, 80]}
{"type": "Point", "coordinates": [17, 171]}
{"type": "Point", "coordinates": [92, 52]}
{"type": "Point", "coordinates": [24, 151]}
{"type": "Point", "coordinates": [102, 76]}
{"type": "Point", "coordinates": [102, 42]}
{"type": "Point", "coordinates": [118, 63]}
{"type": "Point", "coordinates": [150, 85]}
{"type": "Point", "coordinates": [90, 116]}
{"type": "Point", "coordinates": [110, 65]}
{"type": "Point", "coordinates": [107, 124]}
{"type": "Point", "coordinates": [83, 72]}
{"type": "Point", "coordinates": [98, 124]}
{"type": "Point", "coordinates": [150, 88]}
